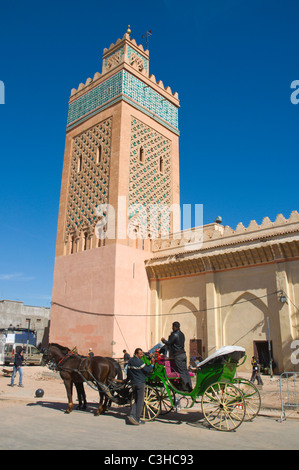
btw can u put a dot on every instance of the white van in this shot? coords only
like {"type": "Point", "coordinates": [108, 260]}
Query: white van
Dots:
{"type": "Point", "coordinates": [32, 355]}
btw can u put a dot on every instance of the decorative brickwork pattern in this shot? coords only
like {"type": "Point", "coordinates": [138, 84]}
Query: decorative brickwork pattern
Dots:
{"type": "Point", "coordinates": [89, 178]}
{"type": "Point", "coordinates": [150, 168]}
{"type": "Point", "coordinates": [114, 59]}
{"type": "Point", "coordinates": [134, 56]}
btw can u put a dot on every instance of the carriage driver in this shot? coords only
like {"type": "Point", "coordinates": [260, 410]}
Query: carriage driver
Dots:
{"type": "Point", "coordinates": [176, 342]}
{"type": "Point", "coordinates": [137, 373]}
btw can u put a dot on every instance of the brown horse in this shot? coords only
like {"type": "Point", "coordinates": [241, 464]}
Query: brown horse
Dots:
{"type": "Point", "coordinates": [75, 369]}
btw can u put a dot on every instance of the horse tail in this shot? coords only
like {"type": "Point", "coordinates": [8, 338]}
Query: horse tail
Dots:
{"type": "Point", "coordinates": [117, 368]}
{"type": "Point", "coordinates": [119, 371]}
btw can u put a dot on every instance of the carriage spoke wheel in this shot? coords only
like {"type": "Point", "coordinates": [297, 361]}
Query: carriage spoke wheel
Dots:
{"type": "Point", "coordinates": [223, 406]}
{"type": "Point", "coordinates": [251, 396]}
{"type": "Point", "coordinates": [152, 405]}
{"type": "Point", "coordinates": [166, 405]}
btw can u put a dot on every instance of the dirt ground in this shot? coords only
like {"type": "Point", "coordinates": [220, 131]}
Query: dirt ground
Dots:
{"type": "Point", "coordinates": [35, 377]}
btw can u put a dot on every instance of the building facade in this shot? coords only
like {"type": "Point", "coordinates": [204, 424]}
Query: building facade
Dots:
{"type": "Point", "coordinates": [241, 287]}
{"type": "Point", "coordinates": [15, 314]}
{"type": "Point", "coordinates": [123, 269]}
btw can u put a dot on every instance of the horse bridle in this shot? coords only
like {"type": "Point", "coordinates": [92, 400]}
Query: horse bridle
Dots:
{"type": "Point", "coordinates": [52, 364]}
{"type": "Point", "coordinates": [49, 361]}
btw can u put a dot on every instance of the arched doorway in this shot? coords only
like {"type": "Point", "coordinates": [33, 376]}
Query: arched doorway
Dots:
{"type": "Point", "coordinates": [245, 324]}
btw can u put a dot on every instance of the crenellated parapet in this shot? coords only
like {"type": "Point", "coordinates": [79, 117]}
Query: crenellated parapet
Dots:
{"type": "Point", "coordinates": [214, 247]}
{"type": "Point", "coordinates": [125, 72]}
{"type": "Point", "coordinates": [126, 51]}
{"type": "Point", "coordinates": [212, 235]}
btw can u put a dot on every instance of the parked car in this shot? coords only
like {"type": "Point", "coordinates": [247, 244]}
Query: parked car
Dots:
{"type": "Point", "coordinates": [32, 355]}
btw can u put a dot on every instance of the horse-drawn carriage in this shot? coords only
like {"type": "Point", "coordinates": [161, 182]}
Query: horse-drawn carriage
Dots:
{"type": "Point", "coordinates": [226, 400]}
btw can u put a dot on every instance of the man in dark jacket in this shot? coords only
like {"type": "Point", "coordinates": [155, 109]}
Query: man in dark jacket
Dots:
{"type": "Point", "coordinates": [176, 343]}
{"type": "Point", "coordinates": [126, 359]}
{"type": "Point", "coordinates": [19, 358]}
{"type": "Point", "coordinates": [137, 372]}
{"type": "Point", "coordinates": [255, 372]}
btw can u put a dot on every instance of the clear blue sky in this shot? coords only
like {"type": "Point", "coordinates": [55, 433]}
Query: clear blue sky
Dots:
{"type": "Point", "coordinates": [232, 63]}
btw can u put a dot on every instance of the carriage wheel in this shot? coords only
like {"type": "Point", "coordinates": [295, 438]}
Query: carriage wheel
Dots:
{"type": "Point", "coordinates": [223, 406]}
{"type": "Point", "coordinates": [166, 405]}
{"type": "Point", "coordinates": [152, 405]}
{"type": "Point", "coordinates": [252, 397]}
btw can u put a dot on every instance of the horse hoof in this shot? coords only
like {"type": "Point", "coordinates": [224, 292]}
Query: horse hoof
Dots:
{"type": "Point", "coordinates": [69, 410]}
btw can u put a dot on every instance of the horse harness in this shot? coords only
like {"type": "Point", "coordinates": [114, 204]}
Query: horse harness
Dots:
{"type": "Point", "coordinates": [93, 383]}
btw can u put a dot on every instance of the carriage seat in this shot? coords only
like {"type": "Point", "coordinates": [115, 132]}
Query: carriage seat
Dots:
{"type": "Point", "coordinates": [170, 369]}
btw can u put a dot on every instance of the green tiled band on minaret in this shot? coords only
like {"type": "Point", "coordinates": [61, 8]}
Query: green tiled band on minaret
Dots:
{"type": "Point", "coordinates": [122, 84]}
{"type": "Point", "coordinates": [125, 76]}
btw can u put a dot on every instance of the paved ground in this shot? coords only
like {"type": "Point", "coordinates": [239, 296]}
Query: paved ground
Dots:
{"type": "Point", "coordinates": [33, 423]}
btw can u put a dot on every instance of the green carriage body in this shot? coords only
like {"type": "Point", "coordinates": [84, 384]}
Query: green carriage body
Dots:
{"type": "Point", "coordinates": [221, 369]}
{"type": "Point", "coordinates": [226, 400]}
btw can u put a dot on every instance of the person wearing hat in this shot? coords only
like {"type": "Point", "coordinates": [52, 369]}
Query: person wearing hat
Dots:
{"type": "Point", "coordinates": [18, 363]}
{"type": "Point", "coordinates": [90, 352]}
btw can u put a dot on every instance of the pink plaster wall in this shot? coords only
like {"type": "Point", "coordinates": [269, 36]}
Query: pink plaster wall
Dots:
{"type": "Point", "coordinates": [131, 328]}
{"type": "Point", "coordinates": [89, 288]}
{"type": "Point", "coordinates": [83, 300]}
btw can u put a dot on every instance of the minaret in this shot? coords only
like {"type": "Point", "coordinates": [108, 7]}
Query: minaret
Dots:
{"type": "Point", "coordinates": [121, 162]}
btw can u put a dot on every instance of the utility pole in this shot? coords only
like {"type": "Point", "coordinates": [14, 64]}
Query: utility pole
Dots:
{"type": "Point", "coordinates": [269, 348]}
{"type": "Point", "coordinates": [28, 332]}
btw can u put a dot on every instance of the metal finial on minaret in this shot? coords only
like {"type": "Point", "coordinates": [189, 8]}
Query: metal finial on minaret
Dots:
{"type": "Point", "coordinates": [148, 33]}
{"type": "Point", "coordinates": [129, 30]}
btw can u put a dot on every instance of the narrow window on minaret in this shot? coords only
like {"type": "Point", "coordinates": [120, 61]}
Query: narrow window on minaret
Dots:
{"type": "Point", "coordinates": [85, 241]}
{"type": "Point", "coordinates": [79, 167]}
{"type": "Point", "coordinates": [141, 155]}
{"type": "Point", "coordinates": [99, 154]}
{"type": "Point", "coordinates": [161, 165]}
{"type": "Point", "coordinates": [73, 244]}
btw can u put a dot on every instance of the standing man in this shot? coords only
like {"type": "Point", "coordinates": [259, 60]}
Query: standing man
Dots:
{"type": "Point", "coordinates": [126, 359]}
{"type": "Point", "coordinates": [255, 372]}
{"type": "Point", "coordinates": [176, 342]}
{"type": "Point", "coordinates": [18, 363]}
{"type": "Point", "coordinates": [137, 372]}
